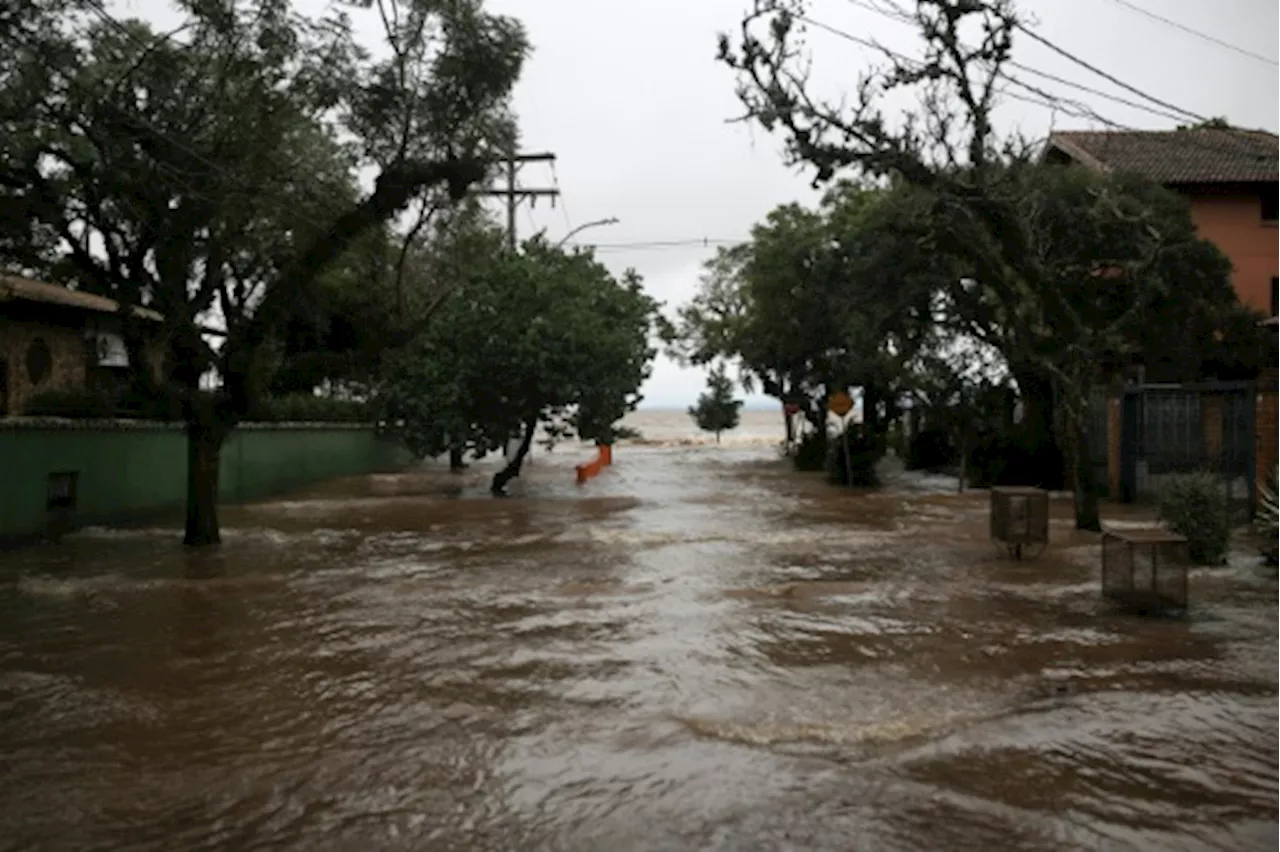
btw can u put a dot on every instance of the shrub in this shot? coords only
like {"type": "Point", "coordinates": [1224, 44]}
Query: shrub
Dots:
{"type": "Point", "coordinates": [930, 449]}
{"type": "Point", "coordinates": [1266, 522]}
{"type": "Point", "coordinates": [1195, 505]}
{"type": "Point", "coordinates": [306, 408]}
{"type": "Point", "coordinates": [811, 452]}
{"type": "Point", "coordinates": [74, 403]}
{"type": "Point", "coordinates": [860, 470]}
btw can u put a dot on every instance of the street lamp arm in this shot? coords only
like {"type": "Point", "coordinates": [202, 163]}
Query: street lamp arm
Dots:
{"type": "Point", "coordinates": [598, 223]}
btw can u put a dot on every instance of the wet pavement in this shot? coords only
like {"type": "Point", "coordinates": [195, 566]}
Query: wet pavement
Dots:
{"type": "Point", "coordinates": [697, 650]}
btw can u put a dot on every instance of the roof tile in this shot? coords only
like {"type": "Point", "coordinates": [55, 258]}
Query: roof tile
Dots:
{"type": "Point", "coordinates": [1177, 156]}
{"type": "Point", "coordinates": [28, 289]}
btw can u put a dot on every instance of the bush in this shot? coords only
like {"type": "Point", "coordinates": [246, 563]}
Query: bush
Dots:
{"type": "Point", "coordinates": [930, 449]}
{"type": "Point", "coordinates": [1267, 522]}
{"type": "Point", "coordinates": [1195, 505]}
{"type": "Point", "coordinates": [75, 403]}
{"type": "Point", "coordinates": [811, 452]}
{"type": "Point", "coordinates": [306, 408]}
{"type": "Point", "coordinates": [860, 470]}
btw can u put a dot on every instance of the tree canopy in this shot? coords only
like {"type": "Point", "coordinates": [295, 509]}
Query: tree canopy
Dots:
{"type": "Point", "coordinates": [540, 338]}
{"type": "Point", "coordinates": [717, 411]}
{"type": "Point", "coordinates": [816, 301]}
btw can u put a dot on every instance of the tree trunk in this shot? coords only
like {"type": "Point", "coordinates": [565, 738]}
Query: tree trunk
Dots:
{"type": "Point", "coordinates": [1082, 478]}
{"type": "Point", "coordinates": [456, 464]}
{"type": "Point", "coordinates": [1045, 463]}
{"type": "Point", "coordinates": [717, 437]}
{"type": "Point", "coordinates": [204, 450]}
{"type": "Point", "coordinates": [789, 424]}
{"type": "Point", "coordinates": [870, 410]}
{"type": "Point", "coordinates": [512, 470]}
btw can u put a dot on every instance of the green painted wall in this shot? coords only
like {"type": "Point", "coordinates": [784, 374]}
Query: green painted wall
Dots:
{"type": "Point", "coordinates": [129, 470]}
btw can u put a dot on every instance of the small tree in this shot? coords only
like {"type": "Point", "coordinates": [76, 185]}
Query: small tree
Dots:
{"type": "Point", "coordinates": [536, 338]}
{"type": "Point", "coordinates": [717, 410]}
{"type": "Point", "coordinates": [1195, 505]}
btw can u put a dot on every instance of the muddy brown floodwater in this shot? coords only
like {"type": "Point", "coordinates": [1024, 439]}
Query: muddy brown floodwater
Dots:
{"type": "Point", "coordinates": [698, 650]}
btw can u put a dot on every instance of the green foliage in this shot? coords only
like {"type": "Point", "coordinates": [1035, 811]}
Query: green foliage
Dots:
{"type": "Point", "coordinates": [1267, 521]}
{"type": "Point", "coordinates": [74, 403]}
{"type": "Point", "coordinates": [717, 411]}
{"type": "Point", "coordinates": [858, 470]}
{"type": "Point", "coordinates": [218, 169]}
{"type": "Point", "coordinates": [1195, 505]}
{"type": "Point", "coordinates": [818, 299]}
{"type": "Point", "coordinates": [542, 336]}
{"type": "Point", "coordinates": [84, 404]}
{"type": "Point", "coordinates": [271, 114]}
{"type": "Point", "coordinates": [1065, 271]}
{"type": "Point", "coordinates": [308, 408]}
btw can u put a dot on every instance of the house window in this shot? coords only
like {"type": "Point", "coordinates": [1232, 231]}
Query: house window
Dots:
{"type": "Point", "coordinates": [1269, 204]}
{"type": "Point", "coordinates": [39, 361]}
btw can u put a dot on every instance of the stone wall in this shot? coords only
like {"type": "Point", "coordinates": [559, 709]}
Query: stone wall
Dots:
{"type": "Point", "coordinates": [20, 341]}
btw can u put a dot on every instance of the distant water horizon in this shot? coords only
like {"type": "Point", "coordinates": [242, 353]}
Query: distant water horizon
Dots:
{"type": "Point", "coordinates": [674, 427]}
{"type": "Point", "coordinates": [767, 405]}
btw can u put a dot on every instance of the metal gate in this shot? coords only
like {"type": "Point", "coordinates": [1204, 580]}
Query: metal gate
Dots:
{"type": "Point", "coordinates": [1168, 429]}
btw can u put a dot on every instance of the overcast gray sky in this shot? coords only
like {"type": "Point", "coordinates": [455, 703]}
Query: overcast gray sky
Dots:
{"type": "Point", "coordinates": [630, 98]}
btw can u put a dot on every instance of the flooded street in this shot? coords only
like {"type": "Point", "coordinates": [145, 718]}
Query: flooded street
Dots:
{"type": "Point", "coordinates": [697, 650]}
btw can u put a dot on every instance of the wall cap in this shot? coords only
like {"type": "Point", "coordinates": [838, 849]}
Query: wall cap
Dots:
{"type": "Point", "coordinates": [33, 424]}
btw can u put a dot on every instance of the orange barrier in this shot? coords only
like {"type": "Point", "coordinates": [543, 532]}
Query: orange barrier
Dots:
{"type": "Point", "coordinates": [604, 458]}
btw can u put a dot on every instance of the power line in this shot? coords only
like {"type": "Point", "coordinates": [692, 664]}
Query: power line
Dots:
{"type": "Point", "coordinates": [903, 17]}
{"type": "Point", "coordinates": [1106, 76]}
{"type": "Point", "coordinates": [699, 242]}
{"type": "Point", "coordinates": [1197, 33]}
{"type": "Point", "coordinates": [1042, 98]}
{"type": "Point", "coordinates": [564, 207]}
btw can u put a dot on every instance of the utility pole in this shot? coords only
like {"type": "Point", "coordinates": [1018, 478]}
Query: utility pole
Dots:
{"type": "Point", "coordinates": [515, 194]}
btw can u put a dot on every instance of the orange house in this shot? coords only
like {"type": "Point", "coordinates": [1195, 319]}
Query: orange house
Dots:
{"type": "Point", "coordinates": [1229, 176]}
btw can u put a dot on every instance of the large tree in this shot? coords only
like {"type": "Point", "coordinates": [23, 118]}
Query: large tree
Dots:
{"type": "Point", "coordinates": [538, 338]}
{"type": "Point", "coordinates": [211, 173]}
{"type": "Point", "coordinates": [1061, 268]}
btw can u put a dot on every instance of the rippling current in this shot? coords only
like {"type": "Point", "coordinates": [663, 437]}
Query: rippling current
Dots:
{"type": "Point", "coordinates": [697, 650]}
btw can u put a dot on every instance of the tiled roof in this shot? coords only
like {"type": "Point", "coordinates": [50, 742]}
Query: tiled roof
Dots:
{"type": "Point", "coordinates": [1177, 156]}
{"type": "Point", "coordinates": [27, 289]}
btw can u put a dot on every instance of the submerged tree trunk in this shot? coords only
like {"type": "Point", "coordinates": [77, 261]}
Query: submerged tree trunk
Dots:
{"type": "Point", "coordinates": [1082, 476]}
{"type": "Point", "coordinates": [512, 470]}
{"type": "Point", "coordinates": [204, 451]}
{"type": "Point", "coordinates": [456, 464]}
{"type": "Point", "coordinates": [1044, 464]}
